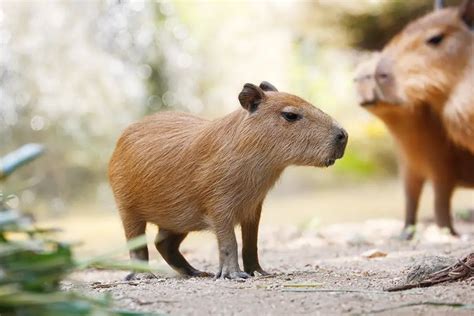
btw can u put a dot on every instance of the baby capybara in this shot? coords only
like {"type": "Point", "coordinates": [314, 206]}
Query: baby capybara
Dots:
{"type": "Point", "coordinates": [184, 173]}
{"type": "Point", "coordinates": [431, 63]}
{"type": "Point", "coordinates": [425, 151]}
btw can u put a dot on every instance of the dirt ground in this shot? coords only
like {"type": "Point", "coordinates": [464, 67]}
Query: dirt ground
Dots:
{"type": "Point", "coordinates": [314, 272]}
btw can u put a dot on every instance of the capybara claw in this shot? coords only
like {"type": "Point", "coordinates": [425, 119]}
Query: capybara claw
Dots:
{"type": "Point", "coordinates": [260, 272]}
{"type": "Point", "coordinates": [257, 271]}
{"type": "Point", "coordinates": [236, 275]}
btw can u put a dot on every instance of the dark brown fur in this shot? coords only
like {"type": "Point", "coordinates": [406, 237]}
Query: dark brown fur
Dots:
{"type": "Point", "coordinates": [185, 173]}
{"type": "Point", "coordinates": [426, 152]}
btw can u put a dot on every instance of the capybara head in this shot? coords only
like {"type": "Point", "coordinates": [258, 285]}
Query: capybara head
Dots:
{"type": "Point", "coordinates": [294, 131]}
{"type": "Point", "coordinates": [423, 63]}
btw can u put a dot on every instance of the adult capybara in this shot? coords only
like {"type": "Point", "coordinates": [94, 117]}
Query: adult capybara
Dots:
{"type": "Point", "coordinates": [184, 173]}
{"type": "Point", "coordinates": [425, 151]}
{"type": "Point", "coordinates": [431, 62]}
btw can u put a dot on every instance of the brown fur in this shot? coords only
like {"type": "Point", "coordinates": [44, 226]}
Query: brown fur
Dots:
{"type": "Point", "coordinates": [185, 173]}
{"type": "Point", "coordinates": [413, 70]}
{"type": "Point", "coordinates": [426, 153]}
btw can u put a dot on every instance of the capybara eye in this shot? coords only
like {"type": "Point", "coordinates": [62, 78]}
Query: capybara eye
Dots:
{"type": "Point", "coordinates": [290, 116]}
{"type": "Point", "coordinates": [435, 40]}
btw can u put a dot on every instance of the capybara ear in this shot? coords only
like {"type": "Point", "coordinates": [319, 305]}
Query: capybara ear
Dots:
{"type": "Point", "coordinates": [267, 86]}
{"type": "Point", "coordinates": [250, 97]}
{"type": "Point", "coordinates": [466, 12]}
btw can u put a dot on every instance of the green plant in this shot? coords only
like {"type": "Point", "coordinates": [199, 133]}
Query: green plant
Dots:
{"type": "Point", "coordinates": [32, 266]}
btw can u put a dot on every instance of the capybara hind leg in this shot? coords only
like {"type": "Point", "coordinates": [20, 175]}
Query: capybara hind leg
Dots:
{"type": "Point", "coordinates": [443, 193]}
{"type": "Point", "coordinates": [413, 184]}
{"type": "Point", "coordinates": [249, 244]}
{"type": "Point", "coordinates": [167, 243]}
{"type": "Point", "coordinates": [134, 228]}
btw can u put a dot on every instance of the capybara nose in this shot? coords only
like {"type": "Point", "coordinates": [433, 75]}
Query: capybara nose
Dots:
{"type": "Point", "coordinates": [341, 136]}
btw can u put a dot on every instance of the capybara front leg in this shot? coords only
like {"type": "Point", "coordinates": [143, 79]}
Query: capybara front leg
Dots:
{"type": "Point", "coordinates": [443, 192]}
{"type": "Point", "coordinates": [249, 244]}
{"type": "Point", "coordinates": [167, 243]}
{"type": "Point", "coordinates": [228, 255]}
{"type": "Point", "coordinates": [413, 185]}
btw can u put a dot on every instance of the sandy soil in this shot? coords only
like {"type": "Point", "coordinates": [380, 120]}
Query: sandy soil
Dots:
{"type": "Point", "coordinates": [314, 272]}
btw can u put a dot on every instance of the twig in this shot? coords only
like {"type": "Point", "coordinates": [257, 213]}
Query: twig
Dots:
{"type": "Point", "coordinates": [333, 290]}
{"type": "Point", "coordinates": [464, 264]}
{"type": "Point", "coordinates": [269, 276]}
{"type": "Point", "coordinates": [97, 285]}
{"type": "Point", "coordinates": [302, 285]}
{"type": "Point", "coordinates": [457, 305]}
{"type": "Point", "coordinates": [140, 302]}
{"type": "Point", "coordinates": [461, 270]}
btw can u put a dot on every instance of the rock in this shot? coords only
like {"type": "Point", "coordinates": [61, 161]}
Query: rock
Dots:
{"type": "Point", "coordinates": [428, 265]}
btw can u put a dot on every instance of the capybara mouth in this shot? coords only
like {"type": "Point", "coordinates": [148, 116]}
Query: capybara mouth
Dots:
{"type": "Point", "coordinates": [379, 103]}
{"type": "Point", "coordinates": [329, 162]}
{"type": "Point", "coordinates": [340, 152]}
{"type": "Point", "coordinates": [367, 103]}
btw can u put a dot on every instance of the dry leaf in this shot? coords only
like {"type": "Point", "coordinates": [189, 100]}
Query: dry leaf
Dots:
{"type": "Point", "coordinates": [374, 253]}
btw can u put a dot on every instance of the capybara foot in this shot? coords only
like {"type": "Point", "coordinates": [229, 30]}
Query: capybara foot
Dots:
{"type": "Point", "coordinates": [407, 233]}
{"type": "Point", "coordinates": [256, 271]}
{"type": "Point", "coordinates": [233, 275]}
{"type": "Point", "coordinates": [450, 230]}
{"type": "Point", "coordinates": [135, 276]}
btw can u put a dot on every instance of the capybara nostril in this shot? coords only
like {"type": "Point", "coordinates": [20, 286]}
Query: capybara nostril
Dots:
{"type": "Point", "coordinates": [383, 71]}
{"type": "Point", "coordinates": [382, 76]}
{"type": "Point", "coordinates": [341, 136]}
{"type": "Point", "coordinates": [341, 142]}
{"type": "Point", "coordinates": [383, 79]}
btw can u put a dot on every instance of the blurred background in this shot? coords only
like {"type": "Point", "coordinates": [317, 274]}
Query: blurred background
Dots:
{"type": "Point", "coordinates": [74, 74]}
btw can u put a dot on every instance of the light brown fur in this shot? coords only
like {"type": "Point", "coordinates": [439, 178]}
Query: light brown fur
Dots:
{"type": "Point", "coordinates": [415, 69]}
{"type": "Point", "coordinates": [185, 173]}
{"type": "Point", "coordinates": [425, 151]}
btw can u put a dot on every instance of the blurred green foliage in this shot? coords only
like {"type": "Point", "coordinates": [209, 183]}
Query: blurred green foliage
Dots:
{"type": "Point", "coordinates": [370, 158]}
{"type": "Point", "coordinates": [32, 266]}
{"type": "Point", "coordinates": [77, 92]}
